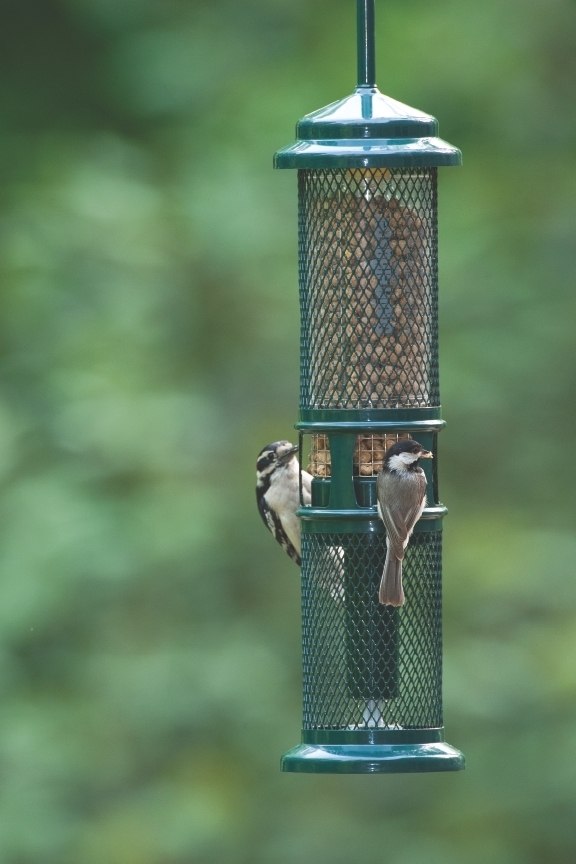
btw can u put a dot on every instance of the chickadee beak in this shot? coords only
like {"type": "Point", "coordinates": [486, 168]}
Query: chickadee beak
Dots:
{"type": "Point", "coordinates": [426, 454]}
{"type": "Point", "coordinates": [288, 455]}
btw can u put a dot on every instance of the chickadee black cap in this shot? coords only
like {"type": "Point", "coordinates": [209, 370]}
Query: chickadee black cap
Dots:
{"type": "Point", "coordinates": [407, 445]}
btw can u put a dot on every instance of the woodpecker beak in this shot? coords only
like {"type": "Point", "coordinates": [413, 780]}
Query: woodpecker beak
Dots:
{"type": "Point", "coordinates": [426, 454]}
{"type": "Point", "coordinates": [288, 456]}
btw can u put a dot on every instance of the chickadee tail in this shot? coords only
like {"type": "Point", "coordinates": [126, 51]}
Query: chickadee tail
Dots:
{"type": "Point", "coordinates": [391, 592]}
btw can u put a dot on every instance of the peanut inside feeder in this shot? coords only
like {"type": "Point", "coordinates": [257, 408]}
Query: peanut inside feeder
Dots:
{"type": "Point", "coordinates": [368, 454]}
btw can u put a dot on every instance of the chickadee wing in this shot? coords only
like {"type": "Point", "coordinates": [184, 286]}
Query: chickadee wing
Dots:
{"type": "Point", "coordinates": [419, 499]}
{"type": "Point", "coordinates": [274, 525]}
{"type": "Point", "coordinates": [395, 529]}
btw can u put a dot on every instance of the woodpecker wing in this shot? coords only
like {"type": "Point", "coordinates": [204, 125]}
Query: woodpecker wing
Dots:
{"type": "Point", "coordinates": [400, 503]}
{"type": "Point", "coordinates": [274, 525]}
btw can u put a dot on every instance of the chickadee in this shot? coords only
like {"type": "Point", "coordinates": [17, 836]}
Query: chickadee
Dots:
{"type": "Point", "coordinates": [277, 494]}
{"type": "Point", "coordinates": [401, 490]}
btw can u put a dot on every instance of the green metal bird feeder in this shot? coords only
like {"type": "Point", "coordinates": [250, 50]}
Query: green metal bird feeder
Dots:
{"type": "Point", "coordinates": [367, 174]}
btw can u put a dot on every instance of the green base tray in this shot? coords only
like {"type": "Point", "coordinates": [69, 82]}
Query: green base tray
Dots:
{"type": "Point", "coordinates": [372, 758]}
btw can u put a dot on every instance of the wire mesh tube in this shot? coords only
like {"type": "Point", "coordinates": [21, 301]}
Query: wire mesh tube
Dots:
{"type": "Point", "coordinates": [368, 277]}
{"type": "Point", "coordinates": [364, 664]}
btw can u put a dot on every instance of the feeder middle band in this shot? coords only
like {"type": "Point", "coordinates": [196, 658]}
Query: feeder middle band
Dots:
{"type": "Point", "coordinates": [368, 273]}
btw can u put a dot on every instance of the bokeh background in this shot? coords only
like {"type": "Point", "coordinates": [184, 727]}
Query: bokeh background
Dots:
{"type": "Point", "coordinates": [149, 626]}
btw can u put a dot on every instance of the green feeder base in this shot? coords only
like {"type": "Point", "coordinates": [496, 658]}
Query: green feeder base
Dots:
{"type": "Point", "coordinates": [372, 759]}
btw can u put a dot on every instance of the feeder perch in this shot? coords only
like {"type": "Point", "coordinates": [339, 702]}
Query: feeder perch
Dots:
{"type": "Point", "coordinates": [367, 172]}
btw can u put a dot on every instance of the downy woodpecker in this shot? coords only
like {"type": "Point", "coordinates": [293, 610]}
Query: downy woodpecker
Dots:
{"type": "Point", "coordinates": [277, 494]}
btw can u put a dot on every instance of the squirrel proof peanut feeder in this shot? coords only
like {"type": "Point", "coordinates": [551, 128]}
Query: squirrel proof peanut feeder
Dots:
{"type": "Point", "coordinates": [367, 173]}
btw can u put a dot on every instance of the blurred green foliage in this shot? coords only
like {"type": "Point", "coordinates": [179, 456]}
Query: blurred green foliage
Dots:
{"type": "Point", "coordinates": [150, 658]}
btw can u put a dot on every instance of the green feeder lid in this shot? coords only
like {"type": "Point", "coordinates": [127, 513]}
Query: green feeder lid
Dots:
{"type": "Point", "coordinates": [367, 129]}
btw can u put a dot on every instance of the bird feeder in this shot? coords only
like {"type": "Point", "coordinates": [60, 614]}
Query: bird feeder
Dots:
{"type": "Point", "coordinates": [367, 173]}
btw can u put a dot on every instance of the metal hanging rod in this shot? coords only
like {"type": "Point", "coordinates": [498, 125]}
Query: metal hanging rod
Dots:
{"type": "Point", "coordinates": [366, 44]}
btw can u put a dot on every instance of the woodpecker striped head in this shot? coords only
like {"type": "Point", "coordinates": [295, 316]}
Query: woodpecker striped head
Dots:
{"type": "Point", "coordinates": [271, 458]}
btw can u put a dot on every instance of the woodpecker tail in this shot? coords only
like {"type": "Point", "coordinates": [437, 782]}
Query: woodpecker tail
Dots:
{"type": "Point", "coordinates": [391, 592]}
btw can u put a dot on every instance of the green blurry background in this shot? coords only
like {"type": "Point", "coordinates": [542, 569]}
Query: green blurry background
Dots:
{"type": "Point", "coordinates": [150, 654]}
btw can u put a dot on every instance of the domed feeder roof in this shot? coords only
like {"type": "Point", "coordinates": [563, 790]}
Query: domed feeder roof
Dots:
{"type": "Point", "coordinates": [367, 130]}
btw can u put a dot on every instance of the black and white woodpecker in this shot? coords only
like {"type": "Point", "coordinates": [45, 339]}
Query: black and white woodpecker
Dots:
{"type": "Point", "coordinates": [401, 488]}
{"type": "Point", "coordinates": [278, 496]}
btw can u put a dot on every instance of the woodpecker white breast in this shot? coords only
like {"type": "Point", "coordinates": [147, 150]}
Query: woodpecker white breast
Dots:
{"type": "Point", "coordinates": [277, 494]}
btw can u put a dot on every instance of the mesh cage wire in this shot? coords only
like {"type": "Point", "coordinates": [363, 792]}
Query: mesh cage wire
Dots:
{"type": "Point", "coordinates": [367, 665]}
{"type": "Point", "coordinates": [368, 288]}
{"type": "Point", "coordinates": [368, 454]}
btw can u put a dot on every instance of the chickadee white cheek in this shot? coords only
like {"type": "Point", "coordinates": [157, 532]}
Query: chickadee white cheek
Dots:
{"type": "Point", "coordinates": [401, 461]}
